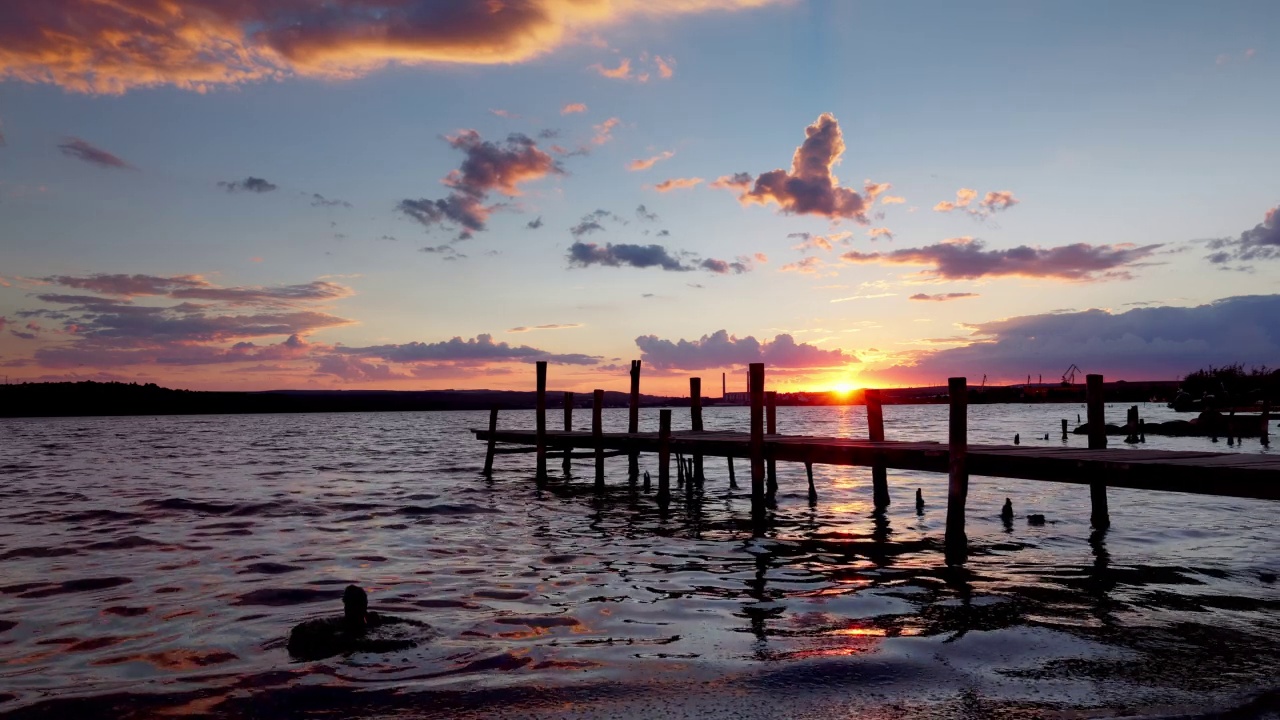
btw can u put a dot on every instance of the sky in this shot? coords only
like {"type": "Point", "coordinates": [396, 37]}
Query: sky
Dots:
{"type": "Point", "coordinates": [429, 194]}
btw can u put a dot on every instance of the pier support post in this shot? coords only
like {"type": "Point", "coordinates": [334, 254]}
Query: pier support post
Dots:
{"type": "Point", "coordinates": [664, 455]}
{"type": "Point", "coordinates": [542, 419]}
{"type": "Point", "coordinates": [568, 426]}
{"type": "Point", "coordinates": [695, 418]}
{"type": "Point", "coordinates": [875, 431]}
{"type": "Point", "coordinates": [756, 375]}
{"type": "Point", "coordinates": [808, 470]}
{"type": "Point", "coordinates": [958, 480]}
{"type": "Point", "coordinates": [733, 480]}
{"type": "Point", "coordinates": [597, 432]}
{"type": "Point", "coordinates": [1064, 428]}
{"type": "Point", "coordinates": [771, 416]}
{"type": "Point", "coordinates": [1100, 518]}
{"type": "Point", "coordinates": [1266, 423]}
{"type": "Point", "coordinates": [633, 419]}
{"type": "Point", "coordinates": [493, 428]}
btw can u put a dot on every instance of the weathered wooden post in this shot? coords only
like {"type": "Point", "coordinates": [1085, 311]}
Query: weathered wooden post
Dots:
{"type": "Point", "coordinates": [493, 429]}
{"type": "Point", "coordinates": [733, 480]}
{"type": "Point", "coordinates": [542, 419]}
{"type": "Point", "coordinates": [568, 426]}
{"type": "Point", "coordinates": [1131, 425]}
{"type": "Point", "coordinates": [875, 430]}
{"type": "Point", "coordinates": [958, 480]}
{"type": "Point", "coordinates": [695, 417]}
{"type": "Point", "coordinates": [679, 470]}
{"type": "Point", "coordinates": [633, 419]}
{"type": "Point", "coordinates": [771, 416]}
{"type": "Point", "coordinates": [756, 375]}
{"type": "Point", "coordinates": [1101, 516]}
{"type": "Point", "coordinates": [597, 433]}
{"type": "Point", "coordinates": [1064, 428]}
{"type": "Point", "coordinates": [1231, 426]}
{"type": "Point", "coordinates": [664, 454]}
{"type": "Point", "coordinates": [1266, 423]}
{"type": "Point", "coordinates": [808, 470]}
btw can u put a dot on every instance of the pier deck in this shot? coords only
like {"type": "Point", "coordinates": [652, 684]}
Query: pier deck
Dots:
{"type": "Point", "coordinates": [1225, 474]}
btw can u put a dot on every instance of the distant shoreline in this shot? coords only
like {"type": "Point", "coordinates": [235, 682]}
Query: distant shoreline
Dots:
{"type": "Point", "coordinates": [95, 399]}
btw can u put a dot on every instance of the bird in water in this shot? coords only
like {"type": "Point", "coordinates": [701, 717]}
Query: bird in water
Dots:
{"type": "Point", "coordinates": [1006, 512]}
{"type": "Point", "coordinates": [357, 630]}
{"type": "Point", "coordinates": [919, 501]}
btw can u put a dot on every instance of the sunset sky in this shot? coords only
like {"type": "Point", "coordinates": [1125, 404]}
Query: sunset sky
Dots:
{"type": "Point", "coordinates": [417, 194]}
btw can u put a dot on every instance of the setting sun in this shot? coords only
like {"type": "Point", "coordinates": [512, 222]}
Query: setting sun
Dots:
{"type": "Point", "coordinates": [843, 388]}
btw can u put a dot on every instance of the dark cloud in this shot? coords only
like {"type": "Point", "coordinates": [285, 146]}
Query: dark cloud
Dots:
{"type": "Point", "coordinates": [352, 369]}
{"type": "Point", "coordinates": [127, 285]}
{"type": "Point", "coordinates": [640, 256]}
{"type": "Point", "coordinates": [486, 167]}
{"type": "Point", "coordinates": [965, 258]}
{"type": "Point", "coordinates": [111, 47]}
{"type": "Point", "coordinates": [664, 233]}
{"type": "Point", "coordinates": [22, 335]}
{"type": "Point", "coordinates": [1143, 343]}
{"type": "Point", "coordinates": [249, 184]}
{"type": "Point", "coordinates": [1260, 243]}
{"type": "Point", "coordinates": [943, 297]}
{"type": "Point", "coordinates": [535, 223]}
{"type": "Point", "coordinates": [591, 223]}
{"type": "Point", "coordinates": [481, 349]}
{"type": "Point", "coordinates": [318, 200]}
{"type": "Point", "coordinates": [645, 215]}
{"type": "Point", "coordinates": [724, 267]}
{"type": "Point", "coordinates": [720, 350]}
{"type": "Point", "coordinates": [811, 187]}
{"type": "Point", "coordinates": [190, 287]}
{"type": "Point", "coordinates": [81, 150]}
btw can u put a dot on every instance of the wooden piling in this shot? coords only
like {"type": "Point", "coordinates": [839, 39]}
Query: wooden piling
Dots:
{"type": "Point", "coordinates": [958, 480]}
{"type": "Point", "coordinates": [875, 431]}
{"type": "Point", "coordinates": [756, 375]}
{"type": "Point", "coordinates": [808, 470]}
{"type": "Point", "coordinates": [1100, 516]}
{"type": "Point", "coordinates": [664, 454]}
{"type": "Point", "coordinates": [1064, 428]}
{"type": "Point", "coordinates": [568, 425]}
{"type": "Point", "coordinates": [597, 431]}
{"type": "Point", "coordinates": [1131, 425]}
{"type": "Point", "coordinates": [542, 419]}
{"type": "Point", "coordinates": [733, 480]}
{"type": "Point", "coordinates": [771, 417]}
{"type": "Point", "coordinates": [1266, 423]}
{"type": "Point", "coordinates": [493, 429]}
{"type": "Point", "coordinates": [695, 417]}
{"type": "Point", "coordinates": [633, 418]}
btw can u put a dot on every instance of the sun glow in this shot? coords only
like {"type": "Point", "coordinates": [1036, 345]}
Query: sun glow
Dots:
{"type": "Point", "coordinates": [843, 388]}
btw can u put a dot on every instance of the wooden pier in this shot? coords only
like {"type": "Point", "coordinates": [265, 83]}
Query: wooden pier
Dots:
{"type": "Point", "coordinates": [1225, 474]}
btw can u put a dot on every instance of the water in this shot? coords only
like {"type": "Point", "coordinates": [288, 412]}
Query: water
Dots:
{"type": "Point", "coordinates": [154, 566]}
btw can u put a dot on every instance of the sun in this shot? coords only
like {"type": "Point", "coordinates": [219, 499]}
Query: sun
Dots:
{"type": "Point", "coordinates": [843, 388]}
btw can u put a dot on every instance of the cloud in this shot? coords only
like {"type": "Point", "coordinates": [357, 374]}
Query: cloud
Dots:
{"type": "Point", "coordinates": [723, 267]}
{"type": "Point", "coordinates": [810, 187]}
{"type": "Point", "coordinates": [647, 163]}
{"type": "Point", "coordinates": [811, 265]}
{"type": "Point", "coordinates": [604, 131]}
{"type": "Point", "coordinates": [622, 72]}
{"type": "Point", "coordinates": [249, 184]}
{"type": "Point", "coordinates": [505, 114]}
{"type": "Point", "coordinates": [535, 223]}
{"type": "Point", "coordinates": [868, 296]}
{"type": "Point", "coordinates": [667, 66]}
{"type": "Point", "coordinates": [3, 142]}
{"type": "Point", "coordinates": [318, 200]}
{"type": "Point", "coordinates": [996, 201]}
{"type": "Point", "coordinates": [892, 200]}
{"type": "Point", "coordinates": [81, 150]}
{"type": "Point", "coordinates": [880, 232]}
{"type": "Point", "coordinates": [553, 326]}
{"type": "Point", "coordinates": [720, 349]}
{"type": "Point", "coordinates": [127, 285]}
{"type": "Point", "coordinates": [639, 256]}
{"type": "Point", "coordinates": [1260, 243]}
{"type": "Point", "coordinates": [92, 46]}
{"type": "Point", "coordinates": [1144, 343]}
{"type": "Point", "coordinates": [478, 350]}
{"type": "Point", "coordinates": [590, 223]}
{"type": "Point", "coordinates": [740, 182]}
{"type": "Point", "coordinates": [486, 167]}
{"type": "Point", "coordinates": [677, 184]}
{"type": "Point", "coordinates": [572, 108]}
{"type": "Point", "coordinates": [350, 369]}
{"type": "Point", "coordinates": [943, 297]}
{"type": "Point", "coordinates": [644, 214]}
{"type": "Point", "coordinates": [964, 258]}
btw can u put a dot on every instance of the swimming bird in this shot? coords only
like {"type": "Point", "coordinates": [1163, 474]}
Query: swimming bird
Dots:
{"type": "Point", "coordinates": [326, 637]}
{"type": "Point", "coordinates": [1006, 512]}
{"type": "Point", "coordinates": [919, 501]}
{"type": "Point", "coordinates": [1035, 519]}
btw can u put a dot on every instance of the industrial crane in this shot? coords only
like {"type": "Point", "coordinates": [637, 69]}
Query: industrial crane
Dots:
{"type": "Point", "coordinates": [1069, 377]}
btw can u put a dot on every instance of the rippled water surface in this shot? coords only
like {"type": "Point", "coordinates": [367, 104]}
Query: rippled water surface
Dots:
{"type": "Point", "coordinates": [155, 566]}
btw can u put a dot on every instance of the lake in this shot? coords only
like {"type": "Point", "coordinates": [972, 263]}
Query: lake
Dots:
{"type": "Point", "coordinates": [155, 565]}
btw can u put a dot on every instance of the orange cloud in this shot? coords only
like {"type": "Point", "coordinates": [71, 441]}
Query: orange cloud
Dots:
{"type": "Point", "coordinates": [622, 72]}
{"type": "Point", "coordinates": [892, 200]}
{"type": "Point", "coordinates": [113, 46]}
{"type": "Point", "coordinates": [677, 184]}
{"type": "Point", "coordinates": [573, 108]}
{"type": "Point", "coordinates": [875, 233]}
{"type": "Point", "coordinates": [604, 131]}
{"type": "Point", "coordinates": [666, 66]}
{"type": "Point", "coordinates": [647, 163]}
